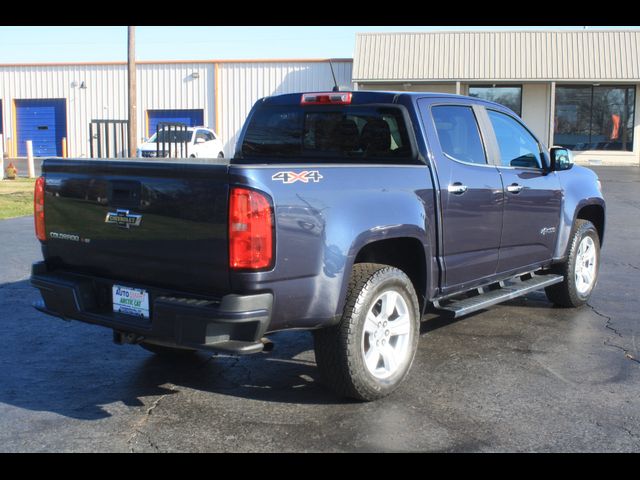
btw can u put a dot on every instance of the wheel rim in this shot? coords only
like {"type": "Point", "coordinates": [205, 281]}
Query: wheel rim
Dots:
{"type": "Point", "coordinates": [386, 335]}
{"type": "Point", "coordinates": [585, 270]}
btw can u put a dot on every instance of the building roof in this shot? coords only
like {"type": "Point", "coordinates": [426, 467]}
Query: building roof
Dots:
{"type": "Point", "coordinates": [585, 55]}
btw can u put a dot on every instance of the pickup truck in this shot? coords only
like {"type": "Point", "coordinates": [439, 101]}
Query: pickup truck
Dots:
{"type": "Point", "coordinates": [345, 213]}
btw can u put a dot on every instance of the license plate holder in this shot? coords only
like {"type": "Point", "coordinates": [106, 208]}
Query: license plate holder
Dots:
{"type": "Point", "coordinates": [130, 301]}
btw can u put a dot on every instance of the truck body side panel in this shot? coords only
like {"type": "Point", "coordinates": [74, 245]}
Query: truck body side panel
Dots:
{"type": "Point", "coordinates": [321, 225]}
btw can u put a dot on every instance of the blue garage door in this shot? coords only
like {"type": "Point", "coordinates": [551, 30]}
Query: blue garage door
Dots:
{"type": "Point", "coordinates": [193, 118]}
{"type": "Point", "coordinates": [44, 122]}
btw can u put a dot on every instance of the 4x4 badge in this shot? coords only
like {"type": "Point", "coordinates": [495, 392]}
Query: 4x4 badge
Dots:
{"type": "Point", "coordinates": [292, 177]}
{"type": "Point", "coordinates": [123, 218]}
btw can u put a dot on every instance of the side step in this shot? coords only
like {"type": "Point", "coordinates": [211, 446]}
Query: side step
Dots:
{"type": "Point", "coordinates": [507, 290]}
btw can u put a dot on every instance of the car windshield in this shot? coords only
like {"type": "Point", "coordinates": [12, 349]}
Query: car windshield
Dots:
{"type": "Point", "coordinates": [172, 136]}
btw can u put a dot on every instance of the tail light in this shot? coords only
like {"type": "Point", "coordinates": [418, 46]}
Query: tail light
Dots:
{"type": "Point", "coordinates": [250, 230]}
{"type": "Point", "coordinates": [38, 209]}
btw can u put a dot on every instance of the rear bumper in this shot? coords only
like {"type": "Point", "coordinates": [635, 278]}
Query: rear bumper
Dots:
{"type": "Point", "coordinates": [232, 323]}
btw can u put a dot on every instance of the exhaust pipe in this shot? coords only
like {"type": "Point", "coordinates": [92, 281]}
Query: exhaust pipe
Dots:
{"type": "Point", "coordinates": [122, 338]}
{"type": "Point", "coordinates": [267, 344]}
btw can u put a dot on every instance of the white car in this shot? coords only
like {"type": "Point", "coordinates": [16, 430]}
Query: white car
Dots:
{"type": "Point", "coordinates": [200, 142]}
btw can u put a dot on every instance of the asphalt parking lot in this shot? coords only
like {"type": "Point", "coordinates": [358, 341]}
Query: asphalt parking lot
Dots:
{"type": "Point", "coordinates": [522, 376]}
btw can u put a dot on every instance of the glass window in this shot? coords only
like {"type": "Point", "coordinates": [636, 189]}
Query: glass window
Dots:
{"type": "Point", "coordinates": [206, 136]}
{"type": "Point", "coordinates": [171, 136]}
{"type": "Point", "coordinates": [518, 148]}
{"type": "Point", "coordinates": [331, 133]}
{"type": "Point", "coordinates": [594, 117]}
{"type": "Point", "coordinates": [458, 133]}
{"type": "Point", "coordinates": [508, 95]}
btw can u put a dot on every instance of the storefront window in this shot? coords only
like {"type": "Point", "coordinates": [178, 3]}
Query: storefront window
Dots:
{"type": "Point", "coordinates": [510, 96]}
{"type": "Point", "coordinates": [594, 117]}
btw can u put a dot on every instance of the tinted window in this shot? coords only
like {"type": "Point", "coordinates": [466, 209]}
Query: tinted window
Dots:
{"type": "Point", "coordinates": [351, 132]}
{"type": "Point", "coordinates": [172, 136]}
{"type": "Point", "coordinates": [594, 118]}
{"type": "Point", "coordinates": [509, 96]}
{"type": "Point", "coordinates": [518, 148]}
{"type": "Point", "coordinates": [206, 136]}
{"type": "Point", "coordinates": [458, 133]}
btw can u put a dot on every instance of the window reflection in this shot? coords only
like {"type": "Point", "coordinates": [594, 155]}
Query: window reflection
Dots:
{"type": "Point", "coordinates": [594, 117]}
{"type": "Point", "coordinates": [509, 96]}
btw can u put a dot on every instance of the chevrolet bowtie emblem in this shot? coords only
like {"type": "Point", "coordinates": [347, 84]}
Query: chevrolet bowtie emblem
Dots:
{"type": "Point", "coordinates": [123, 218]}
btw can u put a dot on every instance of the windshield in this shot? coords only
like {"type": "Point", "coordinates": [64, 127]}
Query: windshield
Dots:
{"type": "Point", "coordinates": [172, 136]}
{"type": "Point", "coordinates": [332, 133]}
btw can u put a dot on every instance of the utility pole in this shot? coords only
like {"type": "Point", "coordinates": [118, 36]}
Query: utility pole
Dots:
{"type": "Point", "coordinates": [133, 114]}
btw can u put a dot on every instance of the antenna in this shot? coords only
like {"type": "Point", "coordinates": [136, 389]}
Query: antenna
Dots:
{"type": "Point", "coordinates": [336, 88]}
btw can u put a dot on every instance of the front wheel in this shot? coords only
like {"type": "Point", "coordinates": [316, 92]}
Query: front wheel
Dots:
{"type": "Point", "coordinates": [369, 353]}
{"type": "Point", "coordinates": [580, 270]}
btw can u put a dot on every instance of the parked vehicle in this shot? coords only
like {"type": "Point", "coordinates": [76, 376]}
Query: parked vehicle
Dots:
{"type": "Point", "coordinates": [345, 213]}
{"type": "Point", "coordinates": [200, 142]}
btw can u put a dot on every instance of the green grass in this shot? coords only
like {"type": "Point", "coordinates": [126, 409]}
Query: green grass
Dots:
{"type": "Point", "coordinates": [16, 197]}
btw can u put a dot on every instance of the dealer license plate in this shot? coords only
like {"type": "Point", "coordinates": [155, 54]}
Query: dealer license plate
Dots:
{"type": "Point", "coordinates": [131, 301]}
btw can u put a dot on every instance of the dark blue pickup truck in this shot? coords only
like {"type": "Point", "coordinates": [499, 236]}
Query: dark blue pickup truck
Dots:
{"type": "Point", "coordinates": [345, 213]}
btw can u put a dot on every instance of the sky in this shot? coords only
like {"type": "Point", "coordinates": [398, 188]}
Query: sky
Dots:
{"type": "Point", "coordinates": [41, 44]}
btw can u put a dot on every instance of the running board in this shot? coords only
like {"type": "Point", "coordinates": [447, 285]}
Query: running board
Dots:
{"type": "Point", "coordinates": [505, 291]}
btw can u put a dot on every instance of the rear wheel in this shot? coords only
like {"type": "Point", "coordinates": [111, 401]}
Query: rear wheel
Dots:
{"type": "Point", "coordinates": [166, 351]}
{"type": "Point", "coordinates": [369, 353]}
{"type": "Point", "coordinates": [221, 155]}
{"type": "Point", "coordinates": [580, 270]}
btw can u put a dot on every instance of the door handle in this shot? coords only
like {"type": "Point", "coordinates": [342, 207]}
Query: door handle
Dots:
{"type": "Point", "coordinates": [457, 188]}
{"type": "Point", "coordinates": [514, 188]}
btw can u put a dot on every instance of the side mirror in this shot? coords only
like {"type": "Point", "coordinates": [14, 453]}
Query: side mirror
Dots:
{"type": "Point", "coordinates": [561, 158]}
{"type": "Point", "coordinates": [200, 140]}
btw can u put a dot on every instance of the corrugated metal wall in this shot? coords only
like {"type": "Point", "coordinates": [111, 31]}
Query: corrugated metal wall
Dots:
{"type": "Point", "coordinates": [175, 87]}
{"type": "Point", "coordinates": [105, 95]}
{"type": "Point", "coordinates": [577, 55]}
{"type": "Point", "coordinates": [242, 84]}
{"type": "Point", "coordinates": [160, 86]}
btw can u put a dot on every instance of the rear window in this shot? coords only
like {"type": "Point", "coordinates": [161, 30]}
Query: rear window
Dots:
{"type": "Point", "coordinates": [171, 136]}
{"type": "Point", "coordinates": [333, 133]}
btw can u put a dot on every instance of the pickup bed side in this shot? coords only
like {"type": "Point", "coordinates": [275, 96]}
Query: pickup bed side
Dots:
{"type": "Point", "coordinates": [322, 226]}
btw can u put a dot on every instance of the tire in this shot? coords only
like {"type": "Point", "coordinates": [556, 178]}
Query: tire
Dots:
{"type": "Point", "coordinates": [166, 351]}
{"type": "Point", "coordinates": [574, 291]}
{"type": "Point", "coordinates": [221, 155]}
{"type": "Point", "coordinates": [342, 350]}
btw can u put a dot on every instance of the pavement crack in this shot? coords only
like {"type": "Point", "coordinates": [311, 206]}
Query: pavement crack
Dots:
{"type": "Point", "coordinates": [140, 424]}
{"type": "Point", "coordinates": [608, 326]}
{"type": "Point", "coordinates": [606, 317]}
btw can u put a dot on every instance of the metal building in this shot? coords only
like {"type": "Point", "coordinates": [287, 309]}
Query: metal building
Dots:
{"type": "Point", "coordinates": [47, 103]}
{"type": "Point", "coordinates": [576, 88]}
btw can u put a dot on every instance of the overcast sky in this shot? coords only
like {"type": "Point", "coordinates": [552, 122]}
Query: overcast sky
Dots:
{"type": "Point", "coordinates": [103, 43]}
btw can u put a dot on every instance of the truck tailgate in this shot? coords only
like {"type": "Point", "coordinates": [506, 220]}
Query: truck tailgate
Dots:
{"type": "Point", "coordinates": [152, 223]}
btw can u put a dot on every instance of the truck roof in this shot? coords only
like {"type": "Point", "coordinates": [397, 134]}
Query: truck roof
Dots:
{"type": "Point", "coordinates": [375, 96]}
{"type": "Point", "coordinates": [360, 97]}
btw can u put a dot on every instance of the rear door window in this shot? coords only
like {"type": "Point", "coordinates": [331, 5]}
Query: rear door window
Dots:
{"type": "Point", "coordinates": [334, 133]}
{"type": "Point", "coordinates": [458, 133]}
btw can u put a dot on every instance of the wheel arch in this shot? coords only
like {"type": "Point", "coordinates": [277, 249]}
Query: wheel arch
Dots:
{"type": "Point", "coordinates": [407, 253]}
{"type": "Point", "coordinates": [594, 213]}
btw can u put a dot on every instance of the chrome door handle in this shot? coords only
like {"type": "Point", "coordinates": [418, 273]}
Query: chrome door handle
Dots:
{"type": "Point", "coordinates": [514, 188]}
{"type": "Point", "coordinates": [457, 188]}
